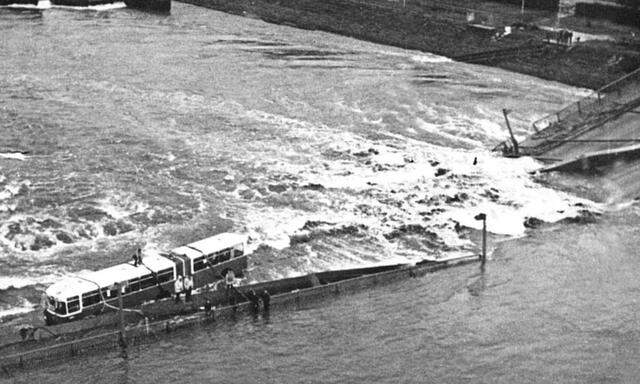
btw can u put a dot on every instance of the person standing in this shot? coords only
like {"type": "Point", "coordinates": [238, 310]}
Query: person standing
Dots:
{"type": "Point", "coordinates": [188, 286]}
{"type": "Point", "coordinates": [135, 259]}
{"type": "Point", "coordinates": [178, 287]}
{"type": "Point", "coordinates": [254, 300]}
{"type": "Point", "coordinates": [266, 300]}
{"type": "Point", "coordinates": [230, 278]}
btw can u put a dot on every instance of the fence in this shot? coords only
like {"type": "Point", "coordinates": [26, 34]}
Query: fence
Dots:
{"type": "Point", "coordinates": [608, 98]}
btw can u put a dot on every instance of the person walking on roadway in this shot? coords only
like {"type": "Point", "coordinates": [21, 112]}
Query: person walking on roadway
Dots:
{"type": "Point", "coordinates": [178, 287]}
{"type": "Point", "coordinates": [188, 286]}
{"type": "Point", "coordinates": [230, 278]}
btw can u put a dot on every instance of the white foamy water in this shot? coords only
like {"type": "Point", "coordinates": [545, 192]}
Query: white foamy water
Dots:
{"type": "Point", "coordinates": [45, 4]}
{"type": "Point", "coordinates": [25, 306]}
{"type": "Point", "coordinates": [26, 280]}
{"type": "Point", "coordinates": [385, 185]}
{"type": "Point", "coordinates": [13, 155]}
{"type": "Point", "coordinates": [120, 206]}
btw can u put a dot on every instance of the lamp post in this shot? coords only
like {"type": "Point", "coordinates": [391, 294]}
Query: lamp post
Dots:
{"type": "Point", "coordinates": [483, 217]}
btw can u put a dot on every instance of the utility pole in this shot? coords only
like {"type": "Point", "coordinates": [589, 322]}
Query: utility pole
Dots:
{"type": "Point", "coordinates": [122, 339]}
{"type": "Point", "coordinates": [522, 10]}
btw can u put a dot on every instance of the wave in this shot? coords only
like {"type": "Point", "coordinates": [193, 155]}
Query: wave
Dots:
{"type": "Point", "coordinates": [98, 7]}
{"type": "Point", "coordinates": [25, 306]}
{"type": "Point", "coordinates": [13, 155]}
{"type": "Point", "coordinates": [429, 58]}
{"type": "Point", "coordinates": [34, 276]}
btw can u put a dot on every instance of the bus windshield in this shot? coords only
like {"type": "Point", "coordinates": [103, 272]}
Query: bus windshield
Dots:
{"type": "Point", "coordinates": [61, 308]}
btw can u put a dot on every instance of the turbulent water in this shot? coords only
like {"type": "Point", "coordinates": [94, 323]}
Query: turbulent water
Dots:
{"type": "Point", "coordinates": [154, 131]}
{"type": "Point", "coordinates": [121, 129]}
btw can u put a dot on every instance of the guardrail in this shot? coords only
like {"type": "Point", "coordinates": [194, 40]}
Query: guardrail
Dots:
{"type": "Point", "coordinates": [551, 138]}
{"type": "Point", "coordinates": [620, 91]}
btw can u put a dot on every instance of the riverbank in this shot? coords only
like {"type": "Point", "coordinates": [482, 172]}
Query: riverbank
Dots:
{"type": "Point", "coordinates": [457, 30]}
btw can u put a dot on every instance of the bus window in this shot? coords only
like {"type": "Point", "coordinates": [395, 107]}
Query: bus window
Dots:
{"type": "Point", "coordinates": [212, 259]}
{"type": "Point", "coordinates": [90, 298]}
{"type": "Point", "coordinates": [134, 285]}
{"type": "Point", "coordinates": [147, 281]}
{"type": "Point", "coordinates": [73, 304]}
{"type": "Point", "coordinates": [166, 275]}
{"type": "Point", "coordinates": [114, 291]}
{"type": "Point", "coordinates": [238, 251]}
{"type": "Point", "coordinates": [198, 264]}
{"type": "Point", "coordinates": [224, 255]}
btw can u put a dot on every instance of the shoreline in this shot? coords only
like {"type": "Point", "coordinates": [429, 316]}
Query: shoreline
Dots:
{"type": "Point", "coordinates": [443, 30]}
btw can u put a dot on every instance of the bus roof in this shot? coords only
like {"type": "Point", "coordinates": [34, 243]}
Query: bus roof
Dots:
{"type": "Point", "coordinates": [90, 281]}
{"type": "Point", "coordinates": [210, 245]}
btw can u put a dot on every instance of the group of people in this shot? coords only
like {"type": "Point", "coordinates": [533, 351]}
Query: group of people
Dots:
{"type": "Point", "coordinates": [562, 37]}
{"type": "Point", "coordinates": [183, 284]}
{"type": "Point", "coordinates": [255, 299]}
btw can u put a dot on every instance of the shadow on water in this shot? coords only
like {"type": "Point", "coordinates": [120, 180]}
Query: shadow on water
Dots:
{"type": "Point", "coordinates": [478, 286]}
{"type": "Point", "coordinates": [424, 79]}
{"type": "Point", "coordinates": [303, 54]}
{"type": "Point", "coordinates": [245, 42]}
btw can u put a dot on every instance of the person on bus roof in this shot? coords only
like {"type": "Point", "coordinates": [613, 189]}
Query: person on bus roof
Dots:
{"type": "Point", "coordinates": [178, 287]}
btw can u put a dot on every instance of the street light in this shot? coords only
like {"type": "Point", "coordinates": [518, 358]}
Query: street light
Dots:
{"type": "Point", "coordinates": [483, 217]}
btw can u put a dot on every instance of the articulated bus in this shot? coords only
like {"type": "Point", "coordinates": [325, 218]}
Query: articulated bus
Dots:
{"type": "Point", "coordinates": [207, 261]}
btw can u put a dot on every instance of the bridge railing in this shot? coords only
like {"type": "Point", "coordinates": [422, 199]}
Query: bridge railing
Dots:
{"type": "Point", "coordinates": [621, 91]}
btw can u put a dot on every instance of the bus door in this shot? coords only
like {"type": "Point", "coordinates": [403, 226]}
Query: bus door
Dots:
{"type": "Point", "coordinates": [182, 264]}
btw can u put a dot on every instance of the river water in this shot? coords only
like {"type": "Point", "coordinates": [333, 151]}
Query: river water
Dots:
{"type": "Point", "coordinates": [153, 131]}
